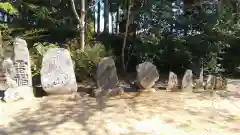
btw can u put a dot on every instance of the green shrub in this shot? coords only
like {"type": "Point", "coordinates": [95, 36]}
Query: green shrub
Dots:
{"type": "Point", "coordinates": [86, 62]}
{"type": "Point", "coordinates": [37, 53]}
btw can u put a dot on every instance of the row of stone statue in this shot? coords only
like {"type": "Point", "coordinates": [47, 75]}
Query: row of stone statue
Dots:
{"type": "Point", "coordinates": [58, 77]}
{"type": "Point", "coordinates": [198, 85]}
{"type": "Point", "coordinates": [147, 76]}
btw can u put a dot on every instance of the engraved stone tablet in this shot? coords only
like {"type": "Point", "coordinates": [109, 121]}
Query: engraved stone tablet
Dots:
{"type": "Point", "coordinates": [57, 72]}
{"type": "Point", "coordinates": [23, 76]}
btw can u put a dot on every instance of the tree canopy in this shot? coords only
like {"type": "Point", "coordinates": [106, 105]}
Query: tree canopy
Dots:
{"type": "Point", "coordinates": [173, 34]}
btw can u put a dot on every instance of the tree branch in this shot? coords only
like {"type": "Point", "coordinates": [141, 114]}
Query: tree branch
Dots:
{"type": "Point", "coordinates": [80, 21]}
{"type": "Point", "coordinates": [125, 36]}
{"type": "Point", "coordinates": [75, 12]}
{"type": "Point", "coordinates": [95, 4]}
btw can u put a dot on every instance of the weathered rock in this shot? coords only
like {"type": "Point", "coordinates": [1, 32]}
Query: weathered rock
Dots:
{"type": "Point", "coordinates": [106, 74]}
{"type": "Point", "coordinates": [8, 67]}
{"type": "Point", "coordinates": [8, 83]}
{"type": "Point", "coordinates": [12, 94]}
{"type": "Point", "coordinates": [201, 77]}
{"type": "Point", "coordinates": [23, 76]}
{"type": "Point", "coordinates": [3, 80]}
{"type": "Point", "coordinates": [187, 81]}
{"type": "Point", "coordinates": [147, 75]}
{"type": "Point", "coordinates": [199, 83]}
{"type": "Point", "coordinates": [221, 83]}
{"type": "Point", "coordinates": [198, 86]}
{"type": "Point", "coordinates": [7, 74]}
{"type": "Point", "coordinates": [211, 82]}
{"type": "Point", "coordinates": [57, 73]}
{"type": "Point", "coordinates": [20, 92]}
{"type": "Point", "coordinates": [172, 82]}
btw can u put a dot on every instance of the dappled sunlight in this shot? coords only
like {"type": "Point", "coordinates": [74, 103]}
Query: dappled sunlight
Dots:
{"type": "Point", "coordinates": [149, 113]}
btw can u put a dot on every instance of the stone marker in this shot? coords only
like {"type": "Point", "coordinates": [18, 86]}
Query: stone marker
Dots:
{"type": "Point", "coordinates": [172, 82]}
{"type": "Point", "coordinates": [57, 73]}
{"type": "Point", "coordinates": [201, 76]}
{"type": "Point", "coordinates": [187, 81]}
{"type": "Point", "coordinates": [211, 82]}
{"type": "Point", "coordinates": [107, 74]}
{"type": "Point", "coordinates": [147, 75]}
{"type": "Point", "coordinates": [23, 76]}
{"type": "Point", "coordinates": [7, 71]}
{"type": "Point", "coordinates": [7, 75]}
{"type": "Point", "coordinates": [199, 84]}
{"type": "Point", "coordinates": [20, 92]}
{"type": "Point", "coordinates": [221, 83]}
{"type": "Point", "coordinates": [18, 73]}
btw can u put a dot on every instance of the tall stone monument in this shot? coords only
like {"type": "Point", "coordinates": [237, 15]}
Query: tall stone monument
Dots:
{"type": "Point", "coordinates": [57, 72]}
{"type": "Point", "coordinates": [187, 81]}
{"type": "Point", "coordinates": [19, 77]}
{"type": "Point", "coordinates": [23, 76]}
{"type": "Point", "coordinates": [172, 82]}
{"type": "Point", "coordinates": [107, 74]}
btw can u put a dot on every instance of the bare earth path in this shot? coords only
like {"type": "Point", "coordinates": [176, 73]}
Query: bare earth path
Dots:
{"type": "Point", "coordinates": [158, 113]}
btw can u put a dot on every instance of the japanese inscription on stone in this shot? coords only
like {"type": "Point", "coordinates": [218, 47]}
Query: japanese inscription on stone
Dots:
{"type": "Point", "coordinates": [21, 76]}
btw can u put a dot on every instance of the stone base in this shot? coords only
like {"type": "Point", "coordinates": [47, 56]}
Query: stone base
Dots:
{"type": "Point", "coordinates": [109, 93]}
{"type": "Point", "coordinates": [22, 92]}
{"type": "Point", "coordinates": [147, 90]}
{"type": "Point", "coordinates": [175, 89]}
{"type": "Point", "coordinates": [198, 90]}
{"type": "Point", "coordinates": [187, 89]}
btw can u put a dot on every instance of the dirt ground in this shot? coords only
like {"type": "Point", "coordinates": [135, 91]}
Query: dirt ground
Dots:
{"type": "Point", "coordinates": [159, 113]}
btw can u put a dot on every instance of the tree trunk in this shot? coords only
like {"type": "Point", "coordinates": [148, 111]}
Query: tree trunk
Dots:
{"type": "Point", "coordinates": [106, 16]}
{"type": "Point", "coordinates": [86, 19]}
{"type": "Point", "coordinates": [219, 8]}
{"type": "Point", "coordinates": [94, 21]}
{"type": "Point", "coordinates": [1, 44]}
{"type": "Point", "coordinates": [112, 15]}
{"type": "Point", "coordinates": [125, 36]}
{"type": "Point", "coordinates": [117, 19]}
{"type": "Point", "coordinates": [1, 49]}
{"type": "Point", "coordinates": [80, 21]}
{"type": "Point", "coordinates": [98, 16]}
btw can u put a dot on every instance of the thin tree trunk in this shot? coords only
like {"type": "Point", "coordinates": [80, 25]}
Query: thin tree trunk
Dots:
{"type": "Point", "coordinates": [94, 21]}
{"type": "Point", "coordinates": [86, 20]}
{"type": "Point", "coordinates": [117, 20]}
{"type": "Point", "coordinates": [219, 8]}
{"type": "Point", "coordinates": [1, 44]}
{"type": "Point", "coordinates": [1, 49]}
{"type": "Point", "coordinates": [98, 16]}
{"type": "Point", "coordinates": [106, 16]}
{"type": "Point", "coordinates": [125, 36]}
{"type": "Point", "coordinates": [112, 23]}
{"type": "Point", "coordinates": [80, 21]}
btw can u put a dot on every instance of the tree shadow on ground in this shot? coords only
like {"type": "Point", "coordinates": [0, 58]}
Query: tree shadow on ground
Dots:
{"type": "Point", "coordinates": [180, 107]}
{"type": "Point", "coordinates": [80, 114]}
{"type": "Point", "coordinates": [76, 113]}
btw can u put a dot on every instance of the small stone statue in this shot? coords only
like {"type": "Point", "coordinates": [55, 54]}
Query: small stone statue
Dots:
{"type": "Point", "coordinates": [7, 73]}
{"type": "Point", "coordinates": [210, 84]}
{"type": "Point", "coordinates": [221, 83]}
{"type": "Point", "coordinates": [172, 82]}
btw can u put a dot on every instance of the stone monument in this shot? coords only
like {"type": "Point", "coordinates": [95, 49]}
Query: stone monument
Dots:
{"type": "Point", "coordinates": [187, 81]}
{"type": "Point", "coordinates": [147, 75]}
{"type": "Point", "coordinates": [172, 82]}
{"type": "Point", "coordinates": [57, 72]}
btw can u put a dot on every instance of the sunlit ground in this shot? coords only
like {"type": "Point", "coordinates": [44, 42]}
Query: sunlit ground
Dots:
{"type": "Point", "coordinates": [159, 113]}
